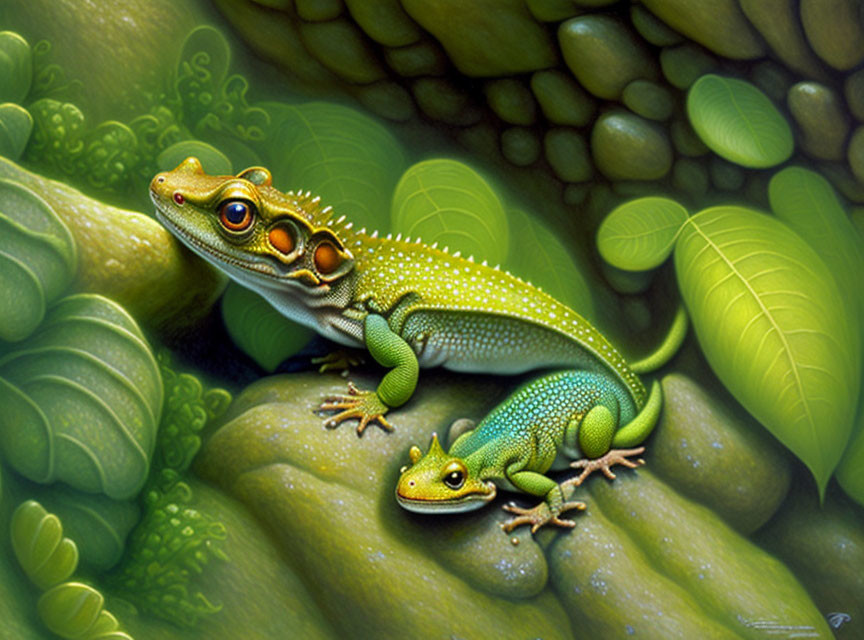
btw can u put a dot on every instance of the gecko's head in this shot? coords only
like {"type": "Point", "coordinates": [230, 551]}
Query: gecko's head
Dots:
{"type": "Point", "coordinates": [244, 226]}
{"type": "Point", "coordinates": [441, 483]}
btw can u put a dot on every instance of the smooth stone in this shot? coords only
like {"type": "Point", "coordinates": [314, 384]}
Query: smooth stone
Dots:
{"type": "Point", "coordinates": [520, 146]}
{"type": "Point", "coordinates": [718, 25]}
{"type": "Point", "coordinates": [834, 30]}
{"type": "Point", "coordinates": [561, 99]}
{"type": "Point", "coordinates": [685, 140]}
{"type": "Point", "coordinates": [388, 100]}
{"type": "Point", "coordinates": [482, 139]}
{"type": "Point", "coordinates": [684, 64]}
{"type": "Point", "coordinates": [627, 283]}
{"type": "Point", "coordinates": [725, 175]}
{"type": "Point", "coordinates": [343, 49]}
{"type": "Point", "coordinates": [690, 176]}
{"type": "Point", "coordinates": [552, 10]}
{"type": "Point", "coordinates": [627, 147]}
{"type": "Point", "coordinates": [311, 10]}
{"type": "Point", "coordinates": [652, 28]}
{"type": "Point", "coordinates": [575, 194]}
{"type": "Point", "coordinates": [843, 179]}
{"type": "Point", "coordinates": [853, 89]}
{"type": "Point", "coordinates": [384, 21]}
{"type": "Point", "coordinates": [821, 117]}
{"type": "Point", "coordinates": [777, 21]}
{"type": "Point", "coordinates": [486, 38]}
{"type": "Point", "coordinates": [648, 99]}
{"type": "Point", "coordinates": [855, 153]}
{"type": "Point", "coordinates": [424, 58]}
{"type": "Point", "coordinates": [568, 155]}
{"type": "Point", "coordinates": [441, 100]}
{"type": "Point", "coordinates": [824, 546]}
{"type": "Point", "coordinates": [604, 54]}
{"type": "Point", "coordinates": [773, 79]}
{"type": "Point", "coordinates": [511, 101]}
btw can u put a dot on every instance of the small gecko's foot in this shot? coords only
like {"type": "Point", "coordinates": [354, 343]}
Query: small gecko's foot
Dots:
{"type": "Point", "coordinates": [339, 360]}
{"type": "Point", "coordinates": [613, 457]}
{"type": "Point", "coordinates": [366, 406]}
{"type": "Point", "coordinates": [540, 515]}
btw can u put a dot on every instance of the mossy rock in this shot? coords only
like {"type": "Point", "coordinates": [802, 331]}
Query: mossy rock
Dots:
{"type": "Point", "coordinates": [328, 496]}
{"type": "Point", "coordinates": [627, 147]}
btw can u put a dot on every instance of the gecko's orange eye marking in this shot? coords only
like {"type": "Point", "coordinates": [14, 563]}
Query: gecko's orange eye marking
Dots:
{"type": "Point", "coordinates": [282, 240]}
{"type": "Point", "coordinates": [235, 215]}
{"type": "Point", "coordinates": [327, 259]}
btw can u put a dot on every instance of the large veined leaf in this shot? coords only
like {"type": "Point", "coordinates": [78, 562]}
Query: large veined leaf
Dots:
{"type": "Point", "coordinates": [259, 329]}
{"type": "Point", "coordinates": [538, 256]}
{"type": "Point", "coordinates": [338, 153]}
{"type": "Point", "coordinates": [81, 399]}
{"type": "Point", "coordinates": [738, 122]}
{"type": "Point", "coordinates": [214, 161]}
{"type": "Point", "coordinates": [447, 202]}
{"type": "Point", "coordinates": [37, 259]}
{"type": "Point", "coordinates": [772, 324]}
{"type": "Point", "coordinates": [640, 234]}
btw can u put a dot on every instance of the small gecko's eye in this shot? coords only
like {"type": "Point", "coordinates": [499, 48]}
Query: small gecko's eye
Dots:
{"type": "Point", "coordinates": [454, 479]}
{"type": "Point", "coordinates": [178, 198]}
{"type": "Point", "coordinates": [235, 215]}
{"type": "Point", "coordinates": [327, 258]}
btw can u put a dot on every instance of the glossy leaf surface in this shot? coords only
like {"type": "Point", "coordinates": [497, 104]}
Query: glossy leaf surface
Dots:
{"type": "Point", "coordinates": [16, 124]}
{"type": "Point", "coordinates": [46, 556]}
{"type": "Point", "coordinates": [739, 122]}
{"type": "Point", "coordinates": [448, 202]}
{"type": "Point", "coordinates": [640, 234]}
{"type": "Point", "coordinates": [771, 322]}
{"type": "Point", "coordinates": [259, 329]}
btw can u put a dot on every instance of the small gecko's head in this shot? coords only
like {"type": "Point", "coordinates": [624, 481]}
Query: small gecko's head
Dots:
{"type": "Point", "coordinates": [441, 483]}
{"type": "Point", "coordinates": [258, 235]}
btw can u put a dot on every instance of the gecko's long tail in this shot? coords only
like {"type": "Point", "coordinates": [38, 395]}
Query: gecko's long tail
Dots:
{"type": "Point", "coordinates": [668, 348]}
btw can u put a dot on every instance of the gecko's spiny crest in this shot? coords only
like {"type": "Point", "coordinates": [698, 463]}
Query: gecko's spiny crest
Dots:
{"type": "Point", "coordinates": [245, 225]}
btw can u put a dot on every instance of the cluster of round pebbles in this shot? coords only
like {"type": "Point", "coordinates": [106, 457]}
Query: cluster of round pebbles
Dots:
{"type": "Point", "coordinates": [587, 88]}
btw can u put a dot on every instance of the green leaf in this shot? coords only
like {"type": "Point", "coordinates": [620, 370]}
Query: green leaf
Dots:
{"type": "Point", "coordinates": [447, 202]}
{"type": "Point", "coordinates": [16, 124]}
{"type": "Point", "coordinates": [214, 161]}
{"type": "Point", "coordinates": [16, 67]}
{"type": "Point", "coordinates": [639, 235]}
{"type": "Point", "coordinates": [340, 154]}
{"type": "Point", "coordinates": [538, 256]}
{"type": "Point", "coordinates": [739, 122]}
{"type": "Point", "coordinates": [259, 329]}
{"type": "Point", "coordinates": [806, 202]}
{"type": "Point", "coordinates": [37, 259]}
{"type": "Point", "coordinates": [71, 609]}
{"type": "Point", "coordinates": [82, 398]}
{"type": "Point", "coordinates": [772, 324]}
{"type": "Point", "coordinates": [37, 539]}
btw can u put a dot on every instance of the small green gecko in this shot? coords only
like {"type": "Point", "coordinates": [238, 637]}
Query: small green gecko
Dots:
{"type": "Point", "coordinates": [409, 304]}
{"type": "Point", "coordinates": [568, 415]}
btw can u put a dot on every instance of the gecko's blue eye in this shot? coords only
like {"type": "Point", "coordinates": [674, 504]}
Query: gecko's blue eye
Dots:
{"type": "Point", "coordinates": [235, 215]}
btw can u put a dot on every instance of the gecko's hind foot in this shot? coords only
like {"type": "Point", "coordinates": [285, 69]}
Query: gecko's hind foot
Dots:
{"type": "Point", "coordinates": [539, 516]}
{"type": "Point", "coordinates": [366, 406]}
{"type": "Point", "coordinates": [339, 361]}
{"type": "Point", "coordinates": [613, 457]}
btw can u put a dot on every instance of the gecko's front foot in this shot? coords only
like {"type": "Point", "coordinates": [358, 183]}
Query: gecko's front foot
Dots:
{"type": "Point", "coordinates": [363, 405]}
{"type": "Point", "coordinates": [540, 515]}
{"type": "Point", "coordinates": [613, 457]}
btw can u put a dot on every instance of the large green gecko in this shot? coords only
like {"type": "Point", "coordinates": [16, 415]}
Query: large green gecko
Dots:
{"type": "Point", "coordinates": [409, 304]}
{"type": "Point", "coordinates": [546, 423]}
